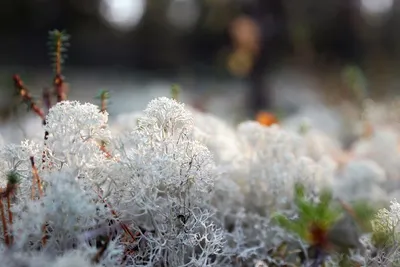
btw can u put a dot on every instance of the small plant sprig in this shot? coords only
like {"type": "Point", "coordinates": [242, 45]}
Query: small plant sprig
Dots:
{"type": "Point", "coordinates": [327, 226]}
{"type": "Point", "coordinates": [13, 179]}
{"type": "Point", "coordinates": [58, 44]}
{"type": "Point", "coordinates": [26, 98]}
{"type": "Point", "coordinates": [313, 222]}
{"type": "Point", "coordinates": [104, 97]}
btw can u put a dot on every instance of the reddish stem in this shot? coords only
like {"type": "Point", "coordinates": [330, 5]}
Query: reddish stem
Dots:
{"type": "Point", "coordinates": [10, 215]}
{"type": "Point", "coordinates": [26, 97]}
{"type": "Point", "coordinates": [103, 103]}
{"type": "Point", "coordinates": [36, 179]}
{"type": "Point", "coordinates": [4, 223]}
{"type": "Point", "coordinates": [59, 88]}
{"type": "Point", "coordinates": [44, 237]}
{"type": "Point", "coordinates": [114, 213]}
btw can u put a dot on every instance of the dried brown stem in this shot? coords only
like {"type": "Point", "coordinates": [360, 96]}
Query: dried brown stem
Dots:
{"type": "Point", "coordinates": [10, 215]}
{"type": "Point", "coordinates": [114, 213]}
{"type": "Point", "coordinates": [36, 179]}
{"type": "Point", "coordinates": [103, 106]}
{"type": "Point", "coordinates": [44, 237]}
{"type": "Point", "coordinates": [8, 191]}
{"type": "Point", "coordinates": [27, 98]}
{"type": "Point", "coordinates": [59, 87]}
{"type": "Point", "coordinates": [4, 223]}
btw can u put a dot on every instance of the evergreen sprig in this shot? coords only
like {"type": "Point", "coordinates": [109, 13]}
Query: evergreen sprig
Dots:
{"type": "Point", "coordinates": [103, 96]}
{"type": "Point", "coordinates": [58, 43]}
{"type": "Point", "coordinates": [58, 46]}
{"type": "Point", "coordinates": [320, 214]}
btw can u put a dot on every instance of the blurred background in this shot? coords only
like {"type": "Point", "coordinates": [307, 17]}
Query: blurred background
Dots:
{"type": "Point", "coordinates": [231, 57]}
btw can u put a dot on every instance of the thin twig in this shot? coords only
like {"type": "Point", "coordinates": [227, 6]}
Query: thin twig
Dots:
{"type": "Point", "coordinates": [4, 223]}
{"type": "Point", "coordinates": [26, 97]}
{"type": "Point", "coordinates": [10, 215]}
{"type": "Point", "coordinates": [36, 179]}
{"type": "Point", "coordinates": [114, 213]}
{"type": "Point", "coordinates": [59, 86]}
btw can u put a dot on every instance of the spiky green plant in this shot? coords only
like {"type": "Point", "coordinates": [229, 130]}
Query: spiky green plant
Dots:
{"type": "Point", "coordinates": [58, 44]}
{"type": "Point", "coordinates": [314, 219]}
{"type": "Point", "coordinates": [327, 225]}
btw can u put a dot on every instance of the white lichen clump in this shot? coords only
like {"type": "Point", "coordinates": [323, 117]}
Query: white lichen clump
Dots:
{"type": "Point", "coordinates": [168, 187]}
{"type": "Point", "coordinates": [158, 182]}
